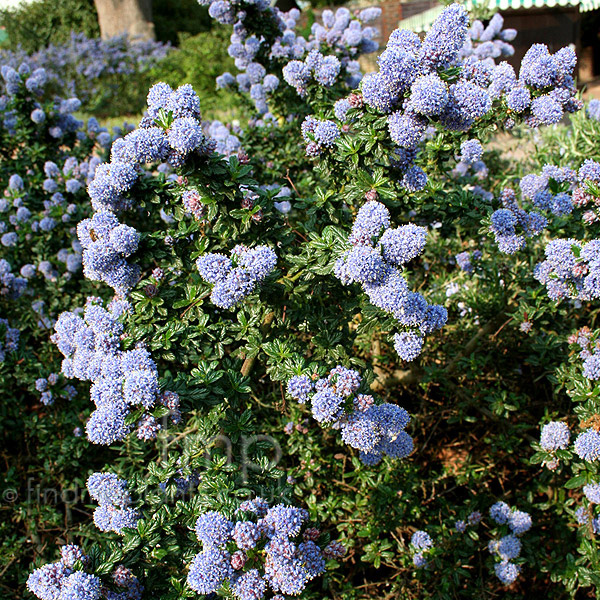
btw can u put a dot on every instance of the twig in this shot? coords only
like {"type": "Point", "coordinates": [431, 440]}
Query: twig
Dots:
{"type": "Point", "coordinates": [287, 176]}
{"type": "Point", "coordinates": [192, 305]}
{"type": "Point", "coordinates": [265, 327]}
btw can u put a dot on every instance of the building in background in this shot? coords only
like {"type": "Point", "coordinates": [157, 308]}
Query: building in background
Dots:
{"type": "Point", "coordinates": [556, 23]}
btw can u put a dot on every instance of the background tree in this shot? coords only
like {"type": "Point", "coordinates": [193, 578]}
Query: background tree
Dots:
{"type": "Point", "coordinates": [133, 17]}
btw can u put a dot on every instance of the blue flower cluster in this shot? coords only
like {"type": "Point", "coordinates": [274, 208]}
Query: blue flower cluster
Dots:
{"type": "Point", "coordinates": [62, 580]}
{"type": "Point", "coordinates": [11, 286]}
{"type": "Point", "coordinates": [65, 580]}
{"type": "Point", "coordinates": [120, 379]}
{"type": "Point", "coordinates": [488, 43]}
{"type": "Point", "coordinates": [545, 89]}
{"type": "Point", "coordinates": [508, 547]}
{"type": "Point", "coordinates": [421, 543]}
{"type": "Point", "coordinates": [319, 135]}
{"type": "Point", "coordinates": [539, 189]}
{"type": "Point", "coordinates": [511, 224]}
{"type": "Point", "coordinates": [378, 253]}
{"type": "Point", "coordinates": [373, 429]}
{"type": "Point", "coordinates": [587, 445]}
{"type": "Point", "coordinates": [409, 88]}
{"type": "Point", "coordinates": [585, 516]}
{"type": "Point", "coordinates": [342, 35]}
{"type": "Point", "coordinates": [226, 142]}
{"type": "Point", "coordinates": [323, 69]}
{"type": "Point", "coordinates": [9, 339]}
{"type": "Point", "coordinates": [593, 109]}
{"type": "Point", "coordinates": [471, 151]}
{"type": "Point", "coordinates": [171, 131]}
{"type": "Point", "coordinates": [473, 519]}
{"type": "Point", "coordinates": [343, 32]}
{"type": "Point", "coordinates": [582, 196]}
{"type": "Point", "coordinates": [106, 244]}
{"type": "Point", "coordinates": [114, 512]}
{"type": "Point", "coordinates": [22, 79]}
{"type": "Point", "coordinates": [589, 352]}
{"type": "Point", "coordinates": [36, 214]}
{"type": "Point", "coordinates": [63, 190]}
{"type": "Point", "coordinates": [43, 385]}
{"type": "Point", "coordinates": [571, 269]}
{"type": "Point", "coordinates": [408, 69]}
{"type": "Point", "coordinates": [464, 260]}
{"type": "Point", "coordinates": [236, 276]}
{"type": "Point", "coordinates": [55, 118]}
{"type": "Point", "coordinates": [554, 436]}
{"type": "Point", "coordinates": [592, 492]}
{"type": "Point", "coordinates": [250, 49]}
{"type": "Point", "coordinates": [264, 548]}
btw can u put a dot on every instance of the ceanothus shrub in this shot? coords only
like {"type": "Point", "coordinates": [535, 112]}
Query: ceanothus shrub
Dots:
{"type": "Point", "coordinates": [312, 253]}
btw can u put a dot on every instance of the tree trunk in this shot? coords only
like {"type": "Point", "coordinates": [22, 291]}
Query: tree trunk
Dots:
{"type": "Point", "coordinates": [133, 17]}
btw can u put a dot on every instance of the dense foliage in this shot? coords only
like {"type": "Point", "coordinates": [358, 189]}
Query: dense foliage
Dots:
{"type": "Point", "coordinates": [347, 351]}
{"type": "Point", "coordinates": [31, 26]}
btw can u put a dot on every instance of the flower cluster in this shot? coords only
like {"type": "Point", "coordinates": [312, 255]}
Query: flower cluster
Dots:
{"type": "Point", "coordinates": [464, 260]}
{"type": "Point", "coordinates": [319, 135]}
{"type": "Point", "coordinates": [264, 548]}
{"type": "Point", "coordinates": [323, 69]}
{"type": "Point", "coordinates": [585, 516]}
{"type": "Point", "coordinates": [106, 244]}
{"type": "Point", "coordinates": [585, 195]}
{"type": "Point", "coordinates": [555, 435]}
{"type": "Point", "coordinates": [508, 547]}
{"type": "Point", "coordinates": [477, 170]}
{"type": "Point", "coordinates": [473, 519]}
{"type": "Point", "coordinates": [343, 32]}
{"type": "Point", "coordinates": [258, 52]}
{"type": "Point", "coordinates": [170, 131]}
{"type": "Point", "coordinates": [488, 43]}
{"type": "Point", "coordinates": [44, 385]}
{"type": "Point", "coordinates": [11, 286]}
{"type": "Point", "coordinates": [587, 445]}
{"type": "Point", "coordinates": [120, 379]}
{"type": "Point", "coordinates": [545, 88]}
{"type": "Point", "coordinates": [410, 86]}
{"type": "Point", "coordinates": [9, 339]}
{"type": "Point", "coordinates": [421, 543]}
{"type": "Point", "coordinates": [589, 352]}
{"type": "Point", "coordinates": [377, 255]}
{"type": "Point", "coordinates": [54, 117]}
{"type": "Point", "coordinates": [373, 429]}
{"type": "Point", "coordinates": [65, 580]}
{"type": "Point", "coordinates": [592, 110]}
{"type": "Point", "coordinates": [43, 195]}
{"type": "Point", "coordinates": [236, 276]}
{"type": "Point", "coordinates": [114, 512]}
{"type": "Point", "coordinates": [571, 269]}
{"type": "Point", "coordinates": [542, 189]}
{"type": "Point", "coordinates": [511, 224]}
{"type": "Point", "coordinates": [226, 142]}
{"type": "Point", "coordinates": [62, 580]}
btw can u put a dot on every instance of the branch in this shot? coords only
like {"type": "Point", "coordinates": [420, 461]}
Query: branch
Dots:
{"type": "Point", "coordinates": [265, 328]}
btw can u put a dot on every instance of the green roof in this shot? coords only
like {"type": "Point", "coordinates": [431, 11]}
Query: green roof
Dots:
{"type": "Point", "coordinates": [423, 21]}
